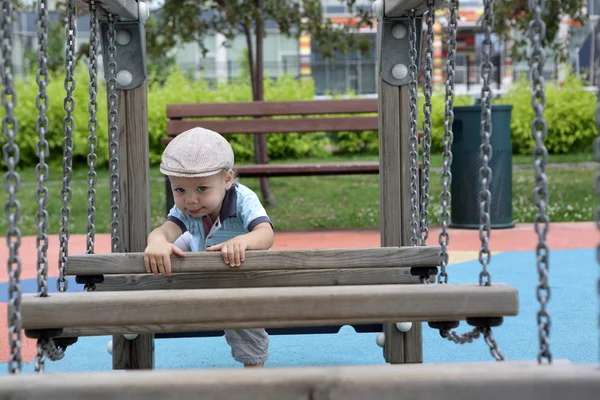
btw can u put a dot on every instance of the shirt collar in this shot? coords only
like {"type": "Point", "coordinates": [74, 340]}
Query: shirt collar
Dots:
{"type": "Point", "coordinates": [229, 206]}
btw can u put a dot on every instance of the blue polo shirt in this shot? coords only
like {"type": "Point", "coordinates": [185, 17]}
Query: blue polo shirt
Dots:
{"type": "Point", "coordinates": [241, 211]}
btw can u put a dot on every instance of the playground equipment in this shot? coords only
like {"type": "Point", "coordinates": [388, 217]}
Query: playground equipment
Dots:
{"type": "Point", "coordinates": [57, 319]}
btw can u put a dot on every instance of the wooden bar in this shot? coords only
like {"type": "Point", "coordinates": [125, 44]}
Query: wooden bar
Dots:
{"type": "Point", "coordinates": [279, 278]}
{"type": "Point", "coordinates": [133, 263]}
{"type": "Point", "coordinates": [134, 208]}
{"type": "Point", "coordinates": [280, 125]}
{"type": "Point", "coordinates": [394, 178]}
{"type": "Point", "coordinates": [456, 381]}
{"type": "Point", "coordinates": [261, 308]}
{"type": "Point", "coordinates": [266, 108]}
{"type": "Point", "coordinates": [275, 170]}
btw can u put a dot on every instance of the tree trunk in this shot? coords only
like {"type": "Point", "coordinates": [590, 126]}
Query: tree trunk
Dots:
{"type": "Point", "coordinates": [257, 80]}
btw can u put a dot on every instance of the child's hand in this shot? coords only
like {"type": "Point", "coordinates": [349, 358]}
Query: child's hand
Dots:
{"type": "Point", "coordinates": [233, 250]}
{"type": "Point", "coordinates": [157, 257]}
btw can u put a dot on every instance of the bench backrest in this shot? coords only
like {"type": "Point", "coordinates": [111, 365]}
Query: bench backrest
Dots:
{"type": "Point", "coordinates": [182, 117]}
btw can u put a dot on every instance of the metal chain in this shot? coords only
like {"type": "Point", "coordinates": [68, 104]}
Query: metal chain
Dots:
{"type": "Point", "coordinates": [485, 172]}
{"type": "Point", "coordinates": [47, 349]}
{"type": "Point", "coordinates": [427, 108]}
{"type": "Point", "coordinates": [445, 195]}
{"type": "Point", "coordinates": [92, 126]}
{"type": "Point", "coordinates": [114, 135]}
{"type": "Point", "coordinates": [463, 338]}
{"type": "Point", "coordinates": [413, 154]}
{"type": "Point", "coordinates": [539, 131]}
{"type": "Point", "coordinates": [12, 184]}
{"type": "Point", "coordinates": [68, 125]}
{"type": "Point", "coordinates": [40, 358]}
{"type": "Point", "coordinates": [42, 149]}
{"type": "Point", "coordinates": [475, 334]}
{"type": "Point", "coordinates": [492, 344]}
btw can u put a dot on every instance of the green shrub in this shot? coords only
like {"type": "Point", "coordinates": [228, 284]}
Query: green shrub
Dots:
{"type": "Point", "coordinates": [26, 113]}
{"type": "Point", "coordinates": [570, 113]}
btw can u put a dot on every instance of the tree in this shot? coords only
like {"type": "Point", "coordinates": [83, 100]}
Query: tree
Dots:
{"type": "Point", "coordinates": [192, 20]}
{"type": "Point", "coordinates": [515, 16]}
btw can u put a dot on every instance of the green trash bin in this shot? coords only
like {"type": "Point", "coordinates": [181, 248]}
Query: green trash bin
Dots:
{"type": "Point", "coordinates": [466, 182]}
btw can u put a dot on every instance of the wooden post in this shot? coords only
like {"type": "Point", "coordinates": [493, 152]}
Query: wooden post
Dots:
{"type": "Point", "coordinates": [394, 182]}
{"type": "Point", "coordinates": [134, 208]}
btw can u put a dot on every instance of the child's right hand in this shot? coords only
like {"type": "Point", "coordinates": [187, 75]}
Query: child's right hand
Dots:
{"type": "Point", "coordinates": [157, 257]}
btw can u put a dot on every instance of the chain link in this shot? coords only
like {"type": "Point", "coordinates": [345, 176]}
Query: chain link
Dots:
{"type": "Point", "coordinates": [485, 172]}
{"type": "Point", "coordinates": [92, 126]}
{"type": "Point", "coordinates": [114, 135]}
{"type": "Point", "coordinates": [68, 126]}
{"type": "Point", "coordinates": [475, 334]}
{"type": "Point", "coordinates": [445, 195]}
{"type": "Point", "coordinates": [12, 184]}
{"type": "Point", "coordinates": [539, 130]}
{"type": "Point", "coordinates": [42, 149]}
{"type": "Point", "coordinates": [427, 108]}
{"type": "Point", "coordinates": [413, 140]}
{"type": "Point", "coordinates": [492, 344]}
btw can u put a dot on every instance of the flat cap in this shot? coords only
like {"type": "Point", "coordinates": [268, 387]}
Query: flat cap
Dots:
{"type": "Point", "coordinates": [197, 152]}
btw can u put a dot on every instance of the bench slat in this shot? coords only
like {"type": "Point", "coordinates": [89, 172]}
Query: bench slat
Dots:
{"type": "Point", "coordinates": [285, 125]}
{"type": "Point", "coordinates": [272, 170]}
{"type": "Point", "coordinates": [264, 108]}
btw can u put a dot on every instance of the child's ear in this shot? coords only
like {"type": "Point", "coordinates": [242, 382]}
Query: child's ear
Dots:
{"type": "Point", "coordinates": [229, 178]}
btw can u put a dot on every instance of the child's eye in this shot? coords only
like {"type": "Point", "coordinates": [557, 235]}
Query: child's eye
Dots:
{"type": "Point", "coordinates": [179, 190]}
{"type": "Point", "coordinates": [202, 188]}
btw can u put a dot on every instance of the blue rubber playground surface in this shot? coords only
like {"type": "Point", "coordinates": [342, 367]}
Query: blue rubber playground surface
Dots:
{"type": "Point", "coordinates": [573, 308]}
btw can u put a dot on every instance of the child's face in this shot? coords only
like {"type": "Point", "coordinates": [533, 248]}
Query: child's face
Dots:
{"type": "Point", "coordinates": [201, 196]}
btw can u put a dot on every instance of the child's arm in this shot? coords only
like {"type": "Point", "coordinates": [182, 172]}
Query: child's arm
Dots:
{"type": "Point", "coordinates": [157, 256]}
{"type": "Point", "coordinates": [234, 250]}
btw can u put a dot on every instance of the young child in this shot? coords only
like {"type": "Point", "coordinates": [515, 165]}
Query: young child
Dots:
{"type": "Point", "coordinates": [212, 212]}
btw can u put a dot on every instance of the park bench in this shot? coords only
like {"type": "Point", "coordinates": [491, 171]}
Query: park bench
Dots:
{"type": "Point", "coordinates": [292, 117]}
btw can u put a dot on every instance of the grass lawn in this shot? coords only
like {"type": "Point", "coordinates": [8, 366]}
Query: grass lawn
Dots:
{"type": "Point", "coordinates": [318, 202]}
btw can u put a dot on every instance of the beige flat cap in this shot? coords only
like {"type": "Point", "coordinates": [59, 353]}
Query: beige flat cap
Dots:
{"type": "Point", "coordinates": [196, 153]}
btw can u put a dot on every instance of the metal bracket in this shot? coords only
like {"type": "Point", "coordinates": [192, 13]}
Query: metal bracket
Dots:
{"type": "Point", "coordinates": [394, 47]}
{"type": "Point", "coordinates": [131, 53]}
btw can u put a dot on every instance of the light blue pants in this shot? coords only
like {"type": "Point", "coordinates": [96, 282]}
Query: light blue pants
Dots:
{"type": "Point", "coordinates": [248, 346]}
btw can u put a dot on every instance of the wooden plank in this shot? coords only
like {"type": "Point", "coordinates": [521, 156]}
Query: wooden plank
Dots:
{"type": "Point", "coordinates": [242, 278]}
{"type": "Point", "coordinates": [456, 381]}
{"type": "Point", "coordinates": [260, 308]}
{"type": "Point", "coordinates": [134, 208]}
{"type": "Point", "coordinates": [394, 186]}
{"type": "Point", "coordinates": [133, 263]}
{"type": "Point", "coordinates": [280, 125]}
{"type": "Point", "coordinates": [272, 108]}
{"type": "Point", "coordinates": [274, 170]}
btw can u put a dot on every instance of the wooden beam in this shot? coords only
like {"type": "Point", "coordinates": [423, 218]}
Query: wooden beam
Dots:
{"type": "Point", "coordinates": [133, 263]}
{"type": "Point", "coordinates": [257, 307]}
{"type": "Point", "coordinates": [456, 381]}
{"type": "Point", "coordinates": [271, 108]}
{"type": "Point", "coordinates": [134, 208]}
{"type": "Point", "coordinates": [286, 125]}
{"type": "Point", "coordinates": [394, 184]}
{"type": "Point", "coordinates": [276, 278]}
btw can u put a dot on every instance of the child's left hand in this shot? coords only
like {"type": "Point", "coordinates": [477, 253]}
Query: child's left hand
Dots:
{"type": "Point", "coordinates": [233, 251]}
